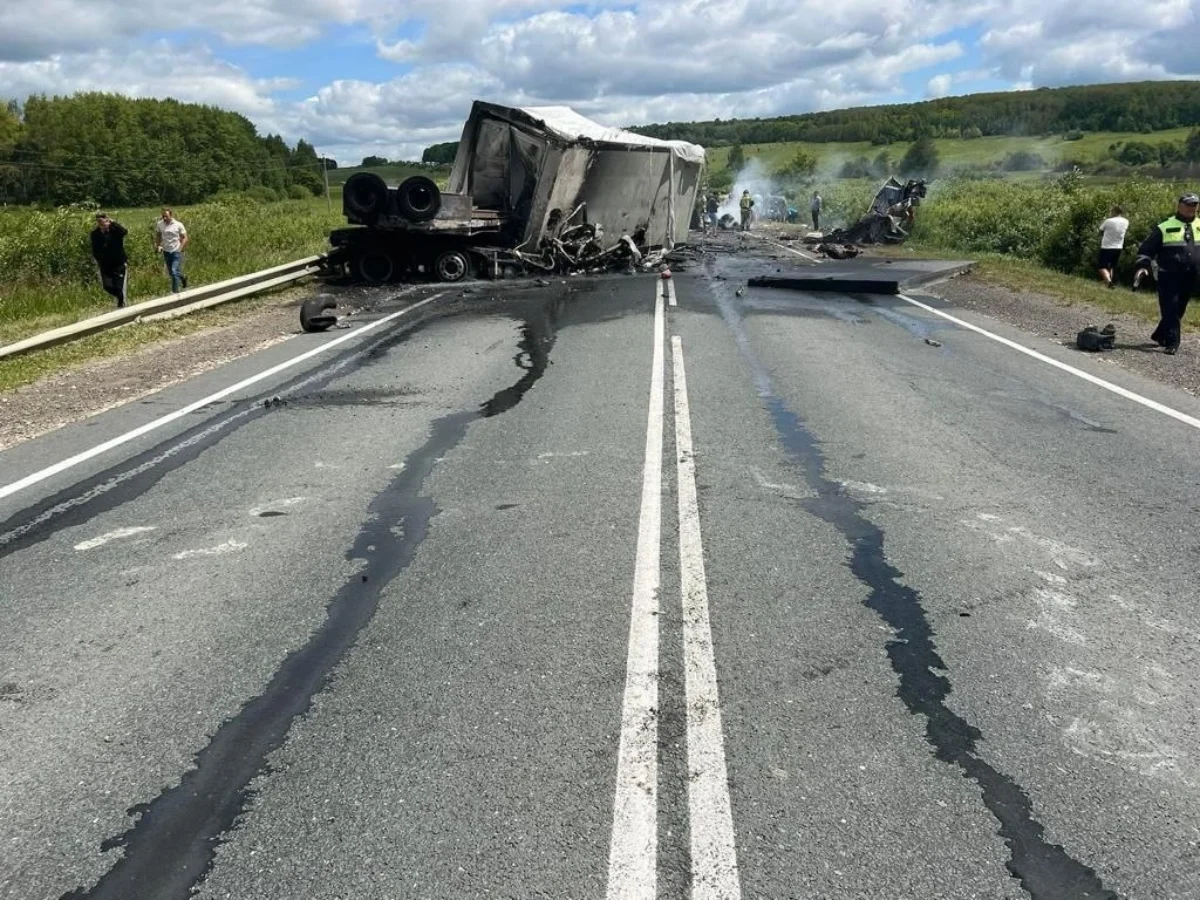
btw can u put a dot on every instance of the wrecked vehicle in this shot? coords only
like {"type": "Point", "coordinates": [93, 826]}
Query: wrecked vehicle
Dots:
{"type": "Point", "coordinates": [889, 220]}
{"type": "Point", "coordinates": [540, 189]}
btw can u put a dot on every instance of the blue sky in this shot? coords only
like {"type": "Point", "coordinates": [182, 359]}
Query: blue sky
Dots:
{"type": "Point", "coordinates": [389, 77]}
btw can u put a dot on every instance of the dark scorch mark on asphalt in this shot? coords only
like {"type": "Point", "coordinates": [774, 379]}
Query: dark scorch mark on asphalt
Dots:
{"type": "Point", "coordinates": [117, 485]}
{"type": "Point", "coordinates": [1045, 870]}
{"type": "Point", "coordinates": [172, 846]}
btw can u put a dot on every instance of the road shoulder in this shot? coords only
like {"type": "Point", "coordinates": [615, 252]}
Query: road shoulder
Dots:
{"type": "Point", "coordinates": [1059, 323]}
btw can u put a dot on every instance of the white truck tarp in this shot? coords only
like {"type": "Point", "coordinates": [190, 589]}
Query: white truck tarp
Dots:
{"type": "Point", "coordinates": [546, 168]}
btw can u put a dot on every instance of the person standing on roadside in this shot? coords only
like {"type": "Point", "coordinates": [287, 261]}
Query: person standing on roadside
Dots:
{"type": "Point", "coordinates": [815, 208]}
{"type": "Point", "coordinates": [1175, 245]}
{"type": "Point", "coordinates": [714, 206]}
{"type": "Point", "coordinates": [171, 239]}
{"type": "Point", "coordinates": [1112, 242]}
{"type": "Point", "coordinates": [108, 249]}
{"type": "Point", "coordinates": [746, 205]}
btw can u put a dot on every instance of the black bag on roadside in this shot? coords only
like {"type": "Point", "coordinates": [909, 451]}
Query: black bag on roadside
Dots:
{"type": "Point", "coordinates": [1095, 339]}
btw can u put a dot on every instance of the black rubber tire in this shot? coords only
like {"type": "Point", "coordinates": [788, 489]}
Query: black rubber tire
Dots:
{"type": "Point", "coordinates": [451, 266]}
{"type": "Point", "coordinates": [375, 267]}
{"type": "Point", "coordinates": [418, 199]}
{"type": "Point", "coordinates": [365, 195]}
{"type": "Point", "coordinates": [312, 314]}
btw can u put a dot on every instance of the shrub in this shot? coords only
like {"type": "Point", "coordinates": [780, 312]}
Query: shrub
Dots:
{"type": "Point", "coordinates": [298, 192]}
{"type": "Point", "coordinates": [260, 193]}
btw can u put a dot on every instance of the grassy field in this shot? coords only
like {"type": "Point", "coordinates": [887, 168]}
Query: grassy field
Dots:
{"type": "Point", "coordinates": [393, 175]}
{"type": "Point", "coordinates": [953, 152]}
{"type": "Point", "coordinates": [50, 278]}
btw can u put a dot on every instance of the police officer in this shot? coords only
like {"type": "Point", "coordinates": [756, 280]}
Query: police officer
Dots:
{"type": "Point", "coordinates": [1175, 245]}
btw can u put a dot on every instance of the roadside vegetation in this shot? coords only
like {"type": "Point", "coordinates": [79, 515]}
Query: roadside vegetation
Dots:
{"type": "Point", "coordinates": [50, 278]}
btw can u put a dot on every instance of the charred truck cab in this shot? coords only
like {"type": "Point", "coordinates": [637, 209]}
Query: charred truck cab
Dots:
{"type": "Point", "coordinates": [526, 186]}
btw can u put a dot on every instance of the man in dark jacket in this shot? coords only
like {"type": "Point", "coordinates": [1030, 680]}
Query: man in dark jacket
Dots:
{"type": "Point", "coordinates": [1175, 245]}
{"type": "Point", "coordinates": [108, 248]}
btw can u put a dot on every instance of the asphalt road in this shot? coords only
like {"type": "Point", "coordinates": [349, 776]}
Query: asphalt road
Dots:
{"type": "Point", "coordinates": [571, 592]}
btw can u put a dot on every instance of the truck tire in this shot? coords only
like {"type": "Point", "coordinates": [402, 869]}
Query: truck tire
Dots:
{"type": "Point", "coordinates": [419, 199]}
{"type": "Point", "coordinates": [312, 314]}
{"type": "Point", "coordinates": [452, 265]}
{"type": "Point", "coordinates": [365, 195]}
{"type": "Point", "coordinates": [375, 267]}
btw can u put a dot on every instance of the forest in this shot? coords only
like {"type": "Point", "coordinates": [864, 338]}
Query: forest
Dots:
{"type": "Point", "coordinates": [1139, 107]}
{"type": "Point", "coordinates": [120, 151]}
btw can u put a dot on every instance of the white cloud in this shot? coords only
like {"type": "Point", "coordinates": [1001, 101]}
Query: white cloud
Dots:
{"type": "Point", "coordinates": [620, 63]}
{"type": "Point", "coordinates": [939, 85]}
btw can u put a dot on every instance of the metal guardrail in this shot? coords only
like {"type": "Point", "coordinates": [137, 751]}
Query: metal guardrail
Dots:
{"type": "Point", "coordinates": [180, 304]}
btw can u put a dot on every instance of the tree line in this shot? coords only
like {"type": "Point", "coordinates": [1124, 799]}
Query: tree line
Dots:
{"type": "Point", "coordinates": [1139, 107]}
{"type": "Point", "coordinates": [121, 151]}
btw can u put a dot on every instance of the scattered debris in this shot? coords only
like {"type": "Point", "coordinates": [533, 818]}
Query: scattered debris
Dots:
{"type": "Point", "coordinates": [838, 251]}
{"type": "Point", "coordinates": [1095, 339]}
{"type": "Point", "coordinates": [932, 343]}
{"type": "Point", "coordinates": [841, 285]}
{"type": "Point", "coordinates": [273, 402]}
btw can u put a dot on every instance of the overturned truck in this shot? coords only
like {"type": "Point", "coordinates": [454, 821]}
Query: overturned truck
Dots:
{"type": "Point", "coordinates": [540, 189]}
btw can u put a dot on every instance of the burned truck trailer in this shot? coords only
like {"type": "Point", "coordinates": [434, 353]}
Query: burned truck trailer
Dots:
{"type": "Point", "coordinates": [541, 188]}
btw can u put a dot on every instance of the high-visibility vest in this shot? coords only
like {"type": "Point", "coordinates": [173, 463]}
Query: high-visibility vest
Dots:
{"type": "Point", "coordinates": [1176, 231]}
{"type": "Point", "coordinates": [747, 202]}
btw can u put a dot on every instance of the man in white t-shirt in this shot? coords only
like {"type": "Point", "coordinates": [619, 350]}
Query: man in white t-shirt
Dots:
{"type": "Point", "coordinates": [1112, 242]}
{"type": "Point", "coordinates": [171, 239]}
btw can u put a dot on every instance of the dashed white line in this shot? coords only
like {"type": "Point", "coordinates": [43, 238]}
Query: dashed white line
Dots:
{"type": "Point", "coordinates": [1050, 361]}
{"type": "Point", "coordinates": [118, 534]}
{"type": "Point", "coordinates": [670, 291]}
{"type": "Point", "coordinates": [71, 462]}
{"type": "Point", "coordinates": [633, 852]}
{"type": "Point", "coordinates": [219, 550]}
{"type": "Point", "coordinates": [710, 816]}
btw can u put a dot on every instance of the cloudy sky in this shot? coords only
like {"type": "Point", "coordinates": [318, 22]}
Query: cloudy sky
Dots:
{"type": "Point", "coordinates": [392, 76]}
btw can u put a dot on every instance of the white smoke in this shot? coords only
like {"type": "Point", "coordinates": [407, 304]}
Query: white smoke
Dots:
{"type": "Point", "coordinates": [754, 178]}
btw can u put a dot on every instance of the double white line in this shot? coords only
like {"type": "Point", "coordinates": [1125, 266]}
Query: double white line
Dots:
{"type": "Point", "coordinates": [633, 854]}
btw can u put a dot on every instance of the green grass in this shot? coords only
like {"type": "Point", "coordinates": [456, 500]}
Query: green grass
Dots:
{"type": "Point", "coordinates": [954, 152]}
{"type": "Point", "coordinates": [21, 370]}
{"type": "Point", "coordinates": [50, 278]}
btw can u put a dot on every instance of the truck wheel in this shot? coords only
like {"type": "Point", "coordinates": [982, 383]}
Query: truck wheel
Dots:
{"type": "Point", "coordinates": [452, 265]}
{"type": "Point", "coordinates": [419, 199]}
{"type": "Point", "coordinates": [375, 267]}
{"type": "Point", "coordinates": [365, 195]}
{"type": "Point", "coordinates": [312, 313]}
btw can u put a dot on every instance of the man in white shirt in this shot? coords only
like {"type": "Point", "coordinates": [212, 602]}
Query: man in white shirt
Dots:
{"type": "Point", "coordinates": [1112, 242]}
{"type": "Point", "coordinates": [171, 239]}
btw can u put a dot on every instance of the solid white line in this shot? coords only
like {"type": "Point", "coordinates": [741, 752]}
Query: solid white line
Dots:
{"type": "Point", "coordinates": [50, 471]}
{"type": "Point", "coordinates": [1079, 373]}
{"type": "Point", "coordinates": [671, 292]}
{"type": "Point", "coordinates": [633, 854]}
{"type": "Point", "coordinates": [710, 817]}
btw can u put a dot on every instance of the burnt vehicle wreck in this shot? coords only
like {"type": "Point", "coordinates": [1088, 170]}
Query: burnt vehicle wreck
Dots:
{"type": "Point", "coordinates": [532, 190]}
{"type": "Point", "coordinates": [888, 221]}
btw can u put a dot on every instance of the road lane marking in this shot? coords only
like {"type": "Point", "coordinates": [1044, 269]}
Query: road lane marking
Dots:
{"type": "Point", "coordinates": [670, 283]}
{"type": "Point", "coordinates": [50, 471]}
{"type": "Point", "coordinates": [1079, 373]}
{"type": "Point", "coordinates": [101, 540]}
{"type": "Point", "coordinates": [710, 816]}
{"type": "Point", "coordinates": [633, 853]}
{"type": "Point", "coordinates": [219, 550]}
